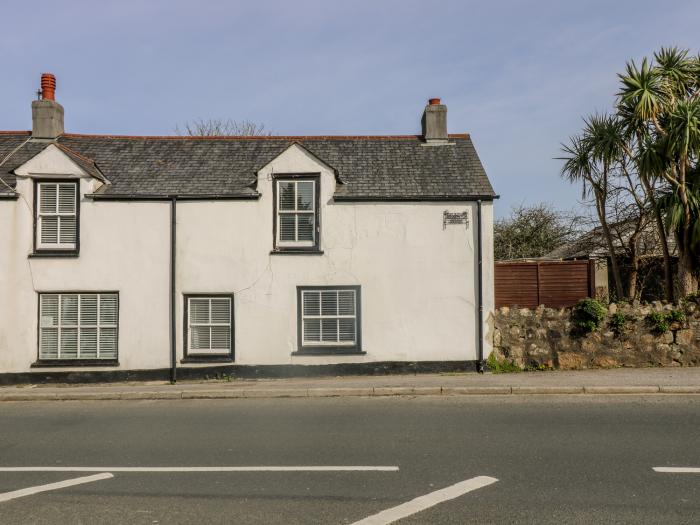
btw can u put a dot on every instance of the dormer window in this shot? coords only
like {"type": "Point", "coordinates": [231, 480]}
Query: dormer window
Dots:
{"type": "Point", "coordinates": [56, 216]}
{"type": "Point", "coordinates": [296, 213]}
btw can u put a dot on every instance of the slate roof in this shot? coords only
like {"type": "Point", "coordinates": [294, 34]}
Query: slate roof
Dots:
{"type": "Point", "coordinates": [86, 164]}
{"type": "Point", "coordinates": [371, 168]}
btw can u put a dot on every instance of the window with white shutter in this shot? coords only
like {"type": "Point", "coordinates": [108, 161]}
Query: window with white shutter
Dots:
{"type": "Point", "coordinates": [296, 213]}
{"type": "Point", "coordinates": [78, 326]}
{"type": "Point", "coordinates": [329, 318]}
{"type": "Point", "coordinates": [209, 325]}
{"type": "Point", "coordinates": [57, 216]}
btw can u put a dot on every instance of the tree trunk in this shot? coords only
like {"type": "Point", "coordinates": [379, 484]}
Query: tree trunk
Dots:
{"type": "Point", "coordinates": [632, 279]}
{"type": "Point", "coordinates": [600, 208]}
{"type": "Point", "coordinates": [663, 239]}
{"type": "Point", "coordinates": [634, 264]}
{"type": "Point", "coordinates": [687, 283]}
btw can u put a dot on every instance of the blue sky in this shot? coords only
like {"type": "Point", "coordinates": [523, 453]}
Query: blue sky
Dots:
{"type": "Point", "coordinates": [517, 75]}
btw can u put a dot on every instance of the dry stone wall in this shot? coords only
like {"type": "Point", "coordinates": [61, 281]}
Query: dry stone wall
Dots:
{"type": "Point", "coordinates": [546, 338]}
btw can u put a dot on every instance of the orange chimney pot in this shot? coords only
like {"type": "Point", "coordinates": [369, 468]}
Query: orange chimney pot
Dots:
{"type": "Point", "coordinates": [48, 86]}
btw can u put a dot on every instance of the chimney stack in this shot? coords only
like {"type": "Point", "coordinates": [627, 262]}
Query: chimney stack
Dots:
{"type": "Point", "coordinates": [434, 122]}
{"type": "Point", "coordinates": [47, 114]}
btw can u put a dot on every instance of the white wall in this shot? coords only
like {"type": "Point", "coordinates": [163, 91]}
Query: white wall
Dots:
{"type": "Point", "coordinates": [123, 247]}
{"type": "Point", "coordinates": [418, 280]}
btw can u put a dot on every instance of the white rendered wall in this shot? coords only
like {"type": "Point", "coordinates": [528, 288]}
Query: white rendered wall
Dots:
{"type": "Point", "coordinates": [123, 247]}
{"type": "Point", "coordinates": [418, 280]}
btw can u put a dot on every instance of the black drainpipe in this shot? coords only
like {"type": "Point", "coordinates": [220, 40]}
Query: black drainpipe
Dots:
{"type": "Point", "coordinates": [173, 352]}
{"type": "Point", "coordinates": [480, 297]}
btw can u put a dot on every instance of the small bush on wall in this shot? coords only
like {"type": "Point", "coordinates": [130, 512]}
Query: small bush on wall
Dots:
{"type": "Point", "coordinates": [588, 315]}
{"type": "Point", "coordinates": [661, 322]}
{"type": "Point", "coordinates": [618, 322]}
{"type": "Point", "coordinates": [501, 366]}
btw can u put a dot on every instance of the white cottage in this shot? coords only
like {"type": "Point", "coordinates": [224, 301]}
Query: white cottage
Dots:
{"type": "Point", "coordinates": [123, 256]}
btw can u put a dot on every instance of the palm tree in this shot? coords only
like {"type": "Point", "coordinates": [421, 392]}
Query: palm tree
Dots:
{"type": "Point", "coordinates": [683, 146]}
{"type": "Point", "coordinates": [587, 161]}
{"type": "Point", "coordinates": [644, 93]}
{"type": "Point", "coordinates": [659, 103]}
{"type": "Point", "coordinates": [647, 162]}
{"type": "Point", "coordinates": [639, 149]}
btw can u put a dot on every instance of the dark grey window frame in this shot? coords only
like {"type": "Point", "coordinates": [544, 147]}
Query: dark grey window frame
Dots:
{"type": "Point", "coordinates": [315, 249]}
{"type": "Point", "coordinates": [209, 357]}
{"type": "Point", "coordinates": [67, 363]}
{"type": "Point", "coordinates": [57, 252]}
{"type": "Point", "coordinates": [355, 349]}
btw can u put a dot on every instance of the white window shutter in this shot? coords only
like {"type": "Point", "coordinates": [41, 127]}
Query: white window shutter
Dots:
{"type": "Point", "coordinates": [78, 326]}
{"type": "Point", "coordinates": [329, 317]}
{"type": "Point", "coordinates": [209, 325]}
{"type": "Point", "coordinates": [296, 212]}
{"type": "Point", "coordinates": [108, 343]}
{"type": "Point", "coordinates": [48, 326]}
{"type": "Point", "coordinates": [66, 199]}
{"type": "Point", "coordinates": [109, 309]}
{"type": "Point", "coordinates": [48, 198]}
{"type": "Point", "coordinates": [57, 219]}
{"type": "Point", "coordinates": [48, 230]}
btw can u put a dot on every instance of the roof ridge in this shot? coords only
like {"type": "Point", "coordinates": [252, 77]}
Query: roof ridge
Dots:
{"type": "Point", "coordinates": [18, 132]}
{"type": "Point", "coordinates": [258, 137]}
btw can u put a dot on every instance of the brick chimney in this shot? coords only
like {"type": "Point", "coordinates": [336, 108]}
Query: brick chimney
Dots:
{"type": "Point", "coordinates": [434, 122]}
{"type": "Point", "coordinates": [47, 114]}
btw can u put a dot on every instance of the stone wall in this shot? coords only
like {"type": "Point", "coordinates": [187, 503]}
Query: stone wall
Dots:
{"type": "Point", "coordinates": [546, 338]}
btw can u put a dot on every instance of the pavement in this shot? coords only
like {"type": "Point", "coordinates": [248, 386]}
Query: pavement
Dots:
{"type": "Point", "coordinates": [449, 460]}
{"type": "Point", "coordinates": [582, 382]}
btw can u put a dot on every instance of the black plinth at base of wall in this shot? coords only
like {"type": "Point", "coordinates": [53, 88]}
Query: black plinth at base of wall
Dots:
{"type": "Point", "coordinates": [240, 371]}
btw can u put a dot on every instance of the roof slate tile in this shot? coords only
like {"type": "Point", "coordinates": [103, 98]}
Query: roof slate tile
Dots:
{"type": "Point", "coordinates": [390, 167]}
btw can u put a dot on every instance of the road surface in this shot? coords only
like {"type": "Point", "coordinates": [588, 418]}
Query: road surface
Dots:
{"type": "Point", "coordinates": [443, 460]}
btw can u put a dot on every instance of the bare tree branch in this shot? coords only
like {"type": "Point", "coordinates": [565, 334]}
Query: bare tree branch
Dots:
{"type": "Point", "coordinates": [221, 128]}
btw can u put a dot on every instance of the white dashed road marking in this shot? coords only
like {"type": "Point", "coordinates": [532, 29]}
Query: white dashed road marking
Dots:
{"type": "Point", "coordinates": [206, 469]}
{"type": "Point", "coordinates": [429, 500]}
{"type": "Point", "coordinates": [53, 486]}
{"type": "Point", "coordinates": [678, 470]}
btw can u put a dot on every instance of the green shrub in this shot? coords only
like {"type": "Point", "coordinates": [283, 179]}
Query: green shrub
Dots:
{"type": "Point", "coordinates": [658, 322]}
{"type": "Point", "coordinates": [588, 315]}
{"type": "Point", "coordinates": [618, 321]}
{"type": "Point", "coordinates": [661, 321]}
{"type": "Point", "coordinates": [501, 367]}
{"type": "Point", "coordinates": [676, 316]}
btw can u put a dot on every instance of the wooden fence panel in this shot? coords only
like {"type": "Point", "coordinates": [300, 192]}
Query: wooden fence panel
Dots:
{"type": "Point", "coordinates": [516, 283]}
{"type": "Point", "coordinates": [555, 284]}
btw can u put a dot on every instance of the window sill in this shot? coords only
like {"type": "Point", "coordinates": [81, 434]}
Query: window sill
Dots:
{"type": "Point", "coordinates": [51, 255]}
{"type": "Point", "coordinates": [296, 251]}
{"type": "Point", "coordinates": [49, 363]}
{"type": "Point", "coordinates": [207, 359]}
{"type": "Point", "coordinates": [328, 350]}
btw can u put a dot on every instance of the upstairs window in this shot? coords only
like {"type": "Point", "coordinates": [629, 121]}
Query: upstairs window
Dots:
{"type": "Point", "coordinates": [329, 319]}
{"type": "Point", "coordinates": [296, 213]}
{"type": "Point", "coordinates": [57, 216]}
{"type": "Point", "coordinates": [78, 326]}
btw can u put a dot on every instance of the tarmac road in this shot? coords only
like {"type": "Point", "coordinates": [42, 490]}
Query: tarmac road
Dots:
{"type": "Point", "coordinates": [557, 459]}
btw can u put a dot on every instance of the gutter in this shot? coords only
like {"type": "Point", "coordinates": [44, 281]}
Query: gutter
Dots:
{"type": "Point", "coordinates": [421, 198]}
{"type": "Point", "coordinates": [480, 296]}
{"type": "Point", "coordinates": [253, 196]}
{"type": "Point", "coordinates": [160, 197]}
{"type": "Point", "coordinates": [173, 350]}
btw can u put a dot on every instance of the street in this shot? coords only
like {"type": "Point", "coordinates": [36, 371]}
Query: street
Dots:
{"type": "Point", "coordinates": [536, 459]}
